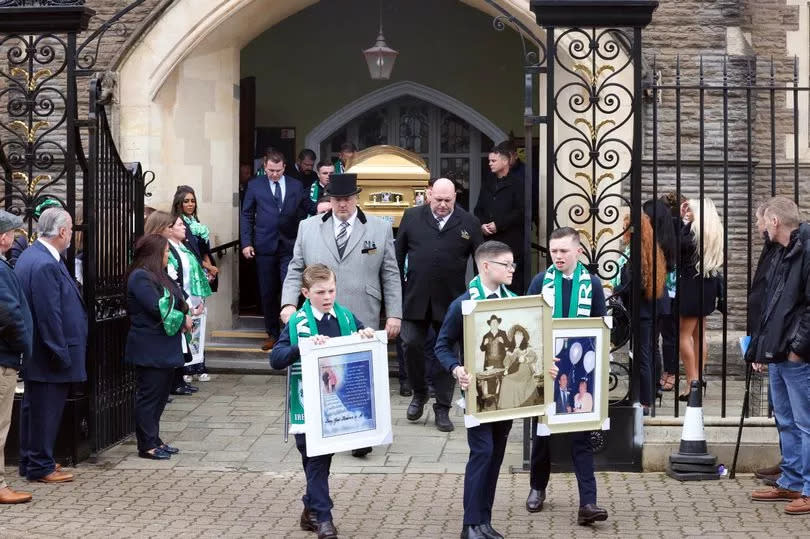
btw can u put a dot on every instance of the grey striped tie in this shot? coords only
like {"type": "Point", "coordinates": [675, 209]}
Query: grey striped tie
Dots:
{"type": "Point", "coordinates": [342, 238]}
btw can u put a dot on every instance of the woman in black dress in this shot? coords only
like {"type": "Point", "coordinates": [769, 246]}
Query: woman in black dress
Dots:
{"type": "Point", "coordinates": [700, 285]}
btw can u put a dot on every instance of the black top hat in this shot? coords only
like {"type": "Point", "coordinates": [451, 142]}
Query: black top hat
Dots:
{"type": "Point", "coordinates": [493, 317]}
{"type": "Point", "coordinates": [342, 185]}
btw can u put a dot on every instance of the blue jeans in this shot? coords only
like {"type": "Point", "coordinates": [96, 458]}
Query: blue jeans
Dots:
{"type": "Point", "coordinates": [790, 390]}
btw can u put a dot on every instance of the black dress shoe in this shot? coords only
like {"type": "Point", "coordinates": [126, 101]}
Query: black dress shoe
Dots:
{"type": "Point", "coordinates": [405, 389]}
{"type": "Point", "coordinates": [169, 399]}
{"type": "Point", "coordinates": [327, 530]}
{"type": "Point", "coordinates": [308, 521]}
{"type": "Point", "coordinates": [156, 454]}
{"type": "Point", "coordinates": [362, 452]}
{"type": "Point", "coordinates": [180, 390]}
{"type": "Point", "coordinates": [490, 532]}
{"type": "Point", "coordinates": [169, 449]}
{"type": "Point", "coordinates": [590, 513]}
{"type": "Point", "coordinates": [469, 531]}
{"type": "Point", "coordinates": [443, 422]}
{"type": "Point", "coordinates": [416, 408]}
{"type": "Point", "coordinates": [534, 503]}
{"type": "Point", "coordinates": [191, 388]}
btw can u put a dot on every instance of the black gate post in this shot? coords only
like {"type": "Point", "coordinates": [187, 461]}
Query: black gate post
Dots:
{"type": "Point", "coordinates": [591, 42]}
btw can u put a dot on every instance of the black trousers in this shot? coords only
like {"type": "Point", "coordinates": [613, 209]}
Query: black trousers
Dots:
{"type": "Point", "coordinates": [271, 270]}
{"type": "Point", "coordinates": [316, 469]}
{"type": "Point", "coordinates": [643, 353]}
{"type": "Point", "coordinates": [581, 456]}
{"type": "Point", "coordinates": [669, 343]}
{"type": "Point", "coordinates": [152, 386]}
{"type": "Point", "coordinates": [487, 446]}
{"type": "Point", "coordinates": [40, 416]}
{"type": "Point", "coordinates": [414, 334]}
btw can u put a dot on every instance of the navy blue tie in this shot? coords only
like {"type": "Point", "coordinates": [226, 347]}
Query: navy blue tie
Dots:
{"type": "Point", "coordinates": [492, 296]}
{"type": "Point", "coordinates": [277, 194]}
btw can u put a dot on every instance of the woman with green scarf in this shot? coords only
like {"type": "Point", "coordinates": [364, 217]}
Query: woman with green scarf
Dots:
{"type": "Point", "coordinates": [158, 320]}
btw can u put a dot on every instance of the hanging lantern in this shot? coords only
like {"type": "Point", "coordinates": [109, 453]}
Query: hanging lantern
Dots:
{"type": "Point", "coordinates": [380, 57]}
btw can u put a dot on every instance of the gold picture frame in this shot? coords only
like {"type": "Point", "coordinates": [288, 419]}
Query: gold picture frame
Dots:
{"type": "Point", "coordinates": [582, 348]}
{"type": "Point", "coordinates": [505, 349]}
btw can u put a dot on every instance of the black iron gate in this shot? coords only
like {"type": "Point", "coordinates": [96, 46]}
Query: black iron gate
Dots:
{"type": "Point", "coordinates": [42, 156]}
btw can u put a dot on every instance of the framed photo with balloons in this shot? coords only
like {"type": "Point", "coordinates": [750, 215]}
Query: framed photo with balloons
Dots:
{"type": "Point", "coordinates": [577, 399]}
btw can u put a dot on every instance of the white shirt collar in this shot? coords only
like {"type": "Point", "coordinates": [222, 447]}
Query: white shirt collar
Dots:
{"type": "Point", "coordinates": [445, 218]}
{"type": "Point", "coordinates": [318, 314]}
{"type": "Point", "coordinates": [51, 249]}
{"type": "Point", "coordinates": [488, 292]}
{"type": "Point", "coordinates": [336, 222]}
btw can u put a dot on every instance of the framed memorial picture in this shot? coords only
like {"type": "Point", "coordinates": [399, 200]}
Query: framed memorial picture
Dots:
{"type": "Point", "coordinates": [577, 400]}
{"type": "Point", "coordinates": [346, 401]}
{"type": "Point", "coordinates": [196, 343]}
{"type": "Point", "coordinates": [505, 343]}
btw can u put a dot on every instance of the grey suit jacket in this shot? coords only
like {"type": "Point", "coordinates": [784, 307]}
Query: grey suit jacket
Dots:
{"type": "Point", "coordinates": [367, 273]}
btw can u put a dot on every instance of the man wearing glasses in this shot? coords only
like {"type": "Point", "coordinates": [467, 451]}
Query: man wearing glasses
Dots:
{"type": "Point", "coordinates": [437, 239]}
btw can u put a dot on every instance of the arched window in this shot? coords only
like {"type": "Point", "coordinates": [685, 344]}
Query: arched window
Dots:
{"type": "Point", "coordinates": [450, 146]}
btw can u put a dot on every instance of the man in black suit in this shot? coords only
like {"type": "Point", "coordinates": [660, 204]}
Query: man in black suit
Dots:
{"type": "Point", "coordinates": [564, 398]}
{"type": "Point", "coordinates": [271, 211]}
{"type": "Point", "coordinates": [500, 208]}
{"type": "Point", "coordinates": [303, 169]}
{"type": "Point", "coordinates": [438, 239]}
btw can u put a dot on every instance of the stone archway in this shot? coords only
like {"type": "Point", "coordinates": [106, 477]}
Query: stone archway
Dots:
{"type": "Point", "coordinates": [401, 89]}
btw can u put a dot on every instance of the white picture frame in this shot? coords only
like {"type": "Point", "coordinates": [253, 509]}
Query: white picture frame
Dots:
{"type": "Point", "coordinates": [346, 397]}
{"type": "Point", "coordinates": [582, 346]}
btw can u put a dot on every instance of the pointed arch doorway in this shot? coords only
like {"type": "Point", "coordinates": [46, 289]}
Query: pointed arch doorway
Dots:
{"type": "Point", "coordinates": [453, 138]}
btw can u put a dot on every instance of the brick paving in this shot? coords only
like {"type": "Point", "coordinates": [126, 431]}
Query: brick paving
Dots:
{"type": "Point", "coordinates": [236, 478]}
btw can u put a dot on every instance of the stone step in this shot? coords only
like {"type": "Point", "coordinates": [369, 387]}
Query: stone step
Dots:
{"type": "Point", "coordinates": [250, 322]}
{"type": "Point", "coordinates": [246, 337]}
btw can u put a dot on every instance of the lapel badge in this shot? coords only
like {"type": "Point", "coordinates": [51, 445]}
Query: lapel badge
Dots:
{"type": "Point", "coordinates": [464, 234]}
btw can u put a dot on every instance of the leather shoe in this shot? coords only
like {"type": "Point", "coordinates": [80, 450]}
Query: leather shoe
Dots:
{"type": "Point", "coordinates": [181, 390]}
{"type": "Point", "coordinates": [166, 448]}
{"type": "Point", "coordinates": [156, 454]}
{"type": "Point", "coordinates": [56, 476]}
{"type": "Point", "coordinates": [362, 452]}
{"type": "Point", "coordinates": [192, 388]}
{"type": "Point", "coordinates": [327, 530]}
{"type": "Point", "coordinates": [416, 408]}
{"type": "Point", "coordinates": [268, 344]}
{"type": "Point", "coordinates": [9, 496]}
{"type": "Point", "coordinates": [473, 531]}
{"type": "Point", "coordinates": [443, 422]}
{"type": "Point", "coordinates": [405, 389]}
{"type": "Point", "coordinates": [308, 521]}
{"type": "Point", "coordinates": [590, 513]}
{"type": "Point", "coordinates": [534, 503]}
{"type": "Point", "coordinates": [490, 532]}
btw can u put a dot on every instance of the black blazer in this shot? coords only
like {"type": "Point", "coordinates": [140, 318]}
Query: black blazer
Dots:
{"type": "Point", "coordinates": [265, 228]}
{"type": "Point", "coordinates": [502, 201]}
{"type": "Point", "coordinates": [147, 342]}
{"type": "Point", "coordinates": [437, 260]}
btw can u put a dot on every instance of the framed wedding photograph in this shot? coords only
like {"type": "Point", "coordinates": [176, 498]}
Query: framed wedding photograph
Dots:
{"type": "Point", "coordinates": [345, 393]}
{"type": "Point", "coordinates": [577, 399]}
{"type": "Point", "coordinates": [505, 345]}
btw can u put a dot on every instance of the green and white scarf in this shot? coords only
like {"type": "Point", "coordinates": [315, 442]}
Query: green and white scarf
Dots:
{"type": "Point", "coordinates": [197, 228]}
{"type": "Point", "coordinates": [581, 292]}
{"type": "Point", "coordinates": [172, 318]}
{"type": "Point", "coordinates": [315, 191]}
{"type": "Point", "coordinates": [198, 282]}
{"type": "Point", "coordinates": [476, 290]}
{"type": "Point", "coordinates": [302, 325]}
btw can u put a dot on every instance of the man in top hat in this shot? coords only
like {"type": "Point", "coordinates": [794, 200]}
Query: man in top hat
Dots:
{"type": "Point", "coordinates": [17, 329]}
{"type": "Point", "coordinates": [360, 250]}
{"type": "Point", "coordinates": [271, 211]}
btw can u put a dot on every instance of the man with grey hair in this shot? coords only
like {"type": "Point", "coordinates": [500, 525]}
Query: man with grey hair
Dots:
{"type": "Point", "coordinates": [781, 339]}
{"type": "Point", "coordinates": [16, 329]}
{"type": "Point", "coordinates": [59, 344]}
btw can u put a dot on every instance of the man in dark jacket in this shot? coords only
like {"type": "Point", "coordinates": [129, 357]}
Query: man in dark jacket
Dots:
{"type": "Point", "coordinates": [16, 329]}
{"type": "Point", "coordinates": [438, 239]}
{"type": "Point", "coordinates": [59, 344]}
{"type": "Point", "coordinates": [782, 340]}
{"type": "Point", "coordinates": [500, 209]}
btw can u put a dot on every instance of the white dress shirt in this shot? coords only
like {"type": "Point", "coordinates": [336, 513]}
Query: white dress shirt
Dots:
{"type": "Point", "coordinates": [282, 183]}
{"type": "Point", "coordinates": [51, 249]}
{"type": "Point", "coordinates": [336, 224]}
